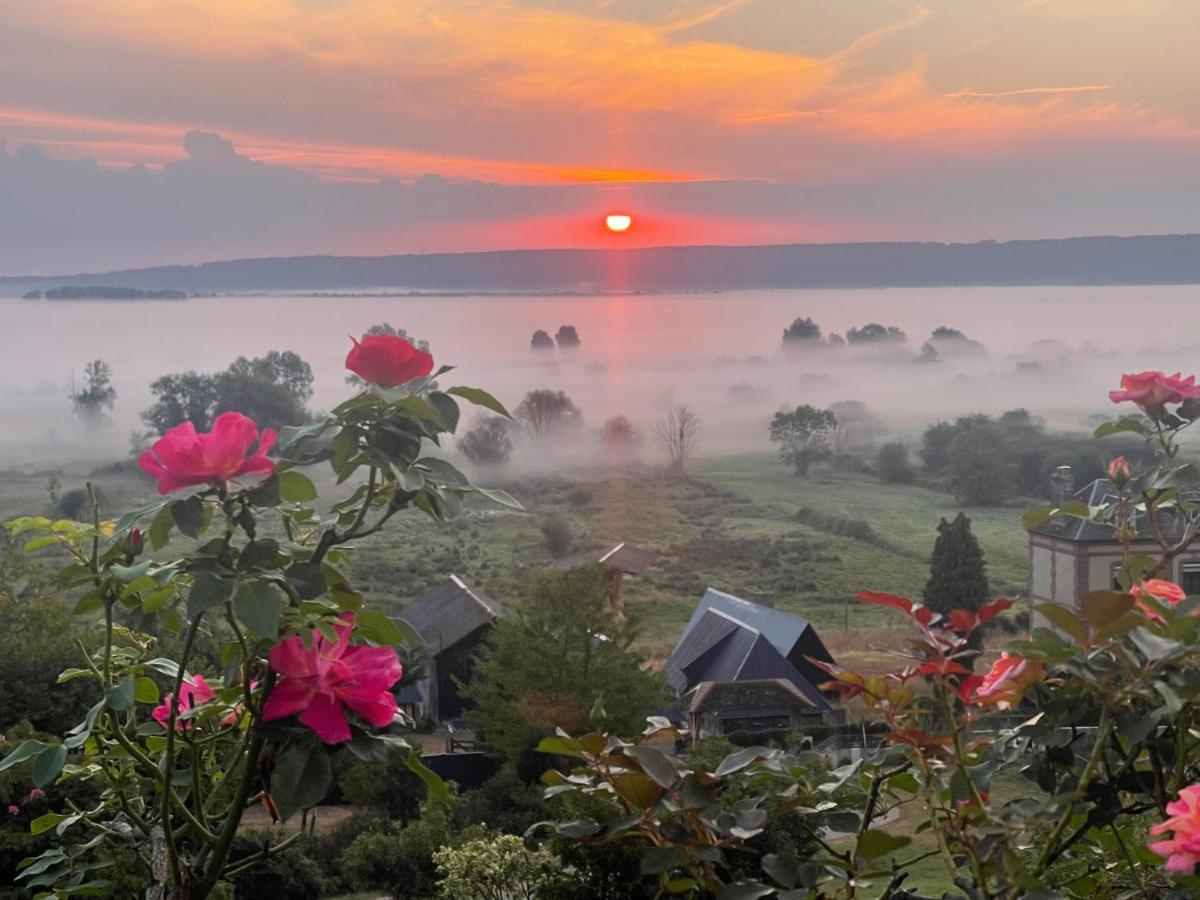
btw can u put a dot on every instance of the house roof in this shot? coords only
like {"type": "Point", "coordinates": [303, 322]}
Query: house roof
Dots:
{"type": "Point", "coordinates": [449, 612]}
{"type": "Point", "coordinates": [737, 699]}
{"type": "Point", "coordinates": [729, 639]}
{"type": "Point", "coordinates": [1099, 493]}
{"type": "Point", "coordinates": [630, 560]}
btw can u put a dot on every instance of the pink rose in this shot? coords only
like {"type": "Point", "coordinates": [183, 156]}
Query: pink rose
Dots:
{"type": "Point", "coordinates": [1159, 589]}
{"type": "Point", "coordinates": [1118, 470]}
{"type": "Point", "coordinates": [35, 794]}
{"type": "Point", "coordinates": [182, 457]}
{"type": "Point", "coordinates": [1005, 683]}
{"type": "Point", "coordinates": [192, 693]}
{"type": "Point", "coordinates": [1155, 389]}
{"type": "Point", "coordinates": [319, 681]}
{"type": "Point", "coordinates": [1182, 852]}
{"type": "Point", "coordinates": [387, 360]}
{"type": "Point", "coordinates": [13, 809]}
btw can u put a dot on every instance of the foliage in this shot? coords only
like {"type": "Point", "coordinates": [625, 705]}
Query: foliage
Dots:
{"type": "Point", "coordinates": [678, 434]}
{"type": "Point", "coordinates": [550, 662]}
{"type": "Point", "coordinates": [541, 341]}
{"type": "Point", "coordinates": [556, 534]}
{"type": "Point", "coordinates": [290, 875]}
{"type": "Point", "coordinates": [803, 435]}
{"type": "Point", "coordinates": [96, 395]}
{"type": "Point", "coordinates": [270, 389]}
{"type": "Point", "coordinates": [546, 414]}
{"type": "Point", "coordinates": [178, 775]}
{"type": "Point", "coordinates": [957, 572]}
{"type": "Point", "coordinates": [874, 333]}
{"type": "Point", "coordinates": [801, 333]}
{"type": "Point", "coordinates": [619, 435]}
{"type": "Point", "coordinates": [487, 443]}
{"type": "Point", "coordinates": [567, 338]}
{"type": "Point", "coordinates": [496, 868]}
{"type": "Point", "coordinates": [982, 471]}
{"type": "Point", "coordinates": [893, 465]}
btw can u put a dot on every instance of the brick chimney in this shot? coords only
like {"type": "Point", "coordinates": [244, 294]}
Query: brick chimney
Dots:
{"type": "Point", "coordinates": [1062, 485]}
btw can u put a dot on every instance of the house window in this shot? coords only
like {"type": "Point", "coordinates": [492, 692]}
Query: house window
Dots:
{"type": "Point", "coordinates": [1190, 582]}
{"type": "Point", "coordinates": [1115, 569]}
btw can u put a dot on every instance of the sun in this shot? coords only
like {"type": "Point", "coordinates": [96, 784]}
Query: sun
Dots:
{"type": "Point", "coordinates": [618, 222]}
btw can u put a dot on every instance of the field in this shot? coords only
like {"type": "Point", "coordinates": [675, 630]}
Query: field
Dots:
{"type": "Point", "coordinates": [743, 524]}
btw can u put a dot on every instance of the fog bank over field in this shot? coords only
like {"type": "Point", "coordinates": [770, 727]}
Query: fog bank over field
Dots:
{"type": "Point", "coordinates": [1053, 350]}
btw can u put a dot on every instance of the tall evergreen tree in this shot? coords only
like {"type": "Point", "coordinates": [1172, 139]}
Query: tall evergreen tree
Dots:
{"type": "Point", "coordinates": [957, 571]}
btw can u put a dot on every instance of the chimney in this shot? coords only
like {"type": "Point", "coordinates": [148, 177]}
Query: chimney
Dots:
{"type": "Point", "coordinates": [1062, 485]}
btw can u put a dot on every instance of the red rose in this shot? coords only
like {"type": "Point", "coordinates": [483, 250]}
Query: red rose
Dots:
{"type": "Point", "coordinates": [387, 360]}
{"type": "Point", "coordinates": [182, 457]}
{"type": "Point", "coordinates": [1155, 389]}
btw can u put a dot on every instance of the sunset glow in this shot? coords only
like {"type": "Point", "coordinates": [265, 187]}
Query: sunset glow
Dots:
{"type": "Point", "coordinates": [618, 222]}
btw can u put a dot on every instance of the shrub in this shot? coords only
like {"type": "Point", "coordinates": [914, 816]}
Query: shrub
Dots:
{"type": "Point", "coordinates": [556, 534]}
{"type": "Point", "coordinates": [487, 442]}
{"type": "Point", "coordinates": [496, 868]}
{"type": "Point", "coordinates": [892, 464]}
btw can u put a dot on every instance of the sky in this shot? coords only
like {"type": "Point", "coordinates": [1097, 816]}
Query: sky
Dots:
{"type": "Point", "coordinates": [141, 132]}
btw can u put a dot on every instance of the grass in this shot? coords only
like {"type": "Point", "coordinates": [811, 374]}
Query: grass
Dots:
{"type": "Point", "coordinates": [744, 524]}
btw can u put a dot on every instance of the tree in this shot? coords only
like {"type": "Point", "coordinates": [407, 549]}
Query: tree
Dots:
{"type": "Point", "coordinates": [619, 435]}
{"type": "Point", "coordinates": [801, 334]}
{"type": "Point", "coordinates": [936, 441]}
{"type": "Point", "coordinates": [487, 442]}
{"type": "Point", "coordinates": [541, 341]}
{"type": "Point", "coordinates": [982, 468]}
{"type": "Point", "coordinates": [556, 534]}
{"type": "Point", "coordinates": [270, 389]}
{"type": "Point", "coordinates": [893, 465]}
{"type": "Point", "coordinates": [855, 427]}
{"type": "Point", "coordinates": [96, 395]}
{"type": "Point", "coordinates": [285, 368]}
{"type": "Point", "coordinates": [803, 435]}
{"type": "Point", "coordinates": [957, 570]}
{"type": "Point", "coordinates": [387, 328]}
{"type": "Point", "coordinates": [551, 660]}
{"type": "Point", "coordinates": [678, 433]}
{"type": "Point", "coordinates": [953, 342]}
{"type": "Point", "coordinates": [546, 413]}
{"type": "Point", "coordinates": [874, 333]}
{"type": "Point", "coordinates": [567, 338]}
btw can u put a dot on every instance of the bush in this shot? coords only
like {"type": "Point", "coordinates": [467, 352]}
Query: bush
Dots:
{"type": "Point", "coordinates": [556, 535]}
{"type": "Point", "coordinates": [496, 868]}
{"type": "Point", "coordinates": [892, 464]}
{"type": "Point", "coordinates": [487, 442]}
{"type": "Point", "coordinates": [291, 875]}
{"type": "Point", "coordinates": [75, 504]}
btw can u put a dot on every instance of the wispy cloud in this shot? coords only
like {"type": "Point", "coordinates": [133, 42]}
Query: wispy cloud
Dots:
{"type": "Point", "coordinates": [1022, 92]}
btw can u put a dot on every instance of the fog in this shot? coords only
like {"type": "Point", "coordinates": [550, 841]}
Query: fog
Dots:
{"type": "Point", "coordinates": [1053, 350]}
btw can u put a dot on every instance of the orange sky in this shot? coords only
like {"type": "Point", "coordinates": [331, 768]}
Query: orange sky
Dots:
{"type": "Point", "coordinates": [994, 95]}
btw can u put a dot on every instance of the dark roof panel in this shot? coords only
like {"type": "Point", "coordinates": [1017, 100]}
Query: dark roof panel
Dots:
{"type": "Point", "coordinates": [449, 612]}
{"type": "Point", "coordinates": [1099, 493]}
{"type": "Point", "coordinates": [748, 698]}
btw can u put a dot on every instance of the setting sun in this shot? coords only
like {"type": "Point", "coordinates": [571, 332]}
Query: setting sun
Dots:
{"type": "Point", "coordinates": [618, 222]}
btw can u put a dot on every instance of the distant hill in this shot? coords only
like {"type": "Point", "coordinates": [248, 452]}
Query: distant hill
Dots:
{"type": "Point", "coordinates": [103, 292]}
{"type": "Point", "coordinates": [1159, 259]}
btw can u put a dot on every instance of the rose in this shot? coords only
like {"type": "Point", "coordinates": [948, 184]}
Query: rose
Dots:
{"type": "Point", "coordinates": [387, 360]}
{"type": "Point", "coordinates": [35, 794]}
{"type": "Point", "coordinates": [13, 809]}
{"type": "Point", "coordinates": [1005, 683]}
{"type": "Point", "coordinates": [1182, 851]}
{"type": "Point", "coordinates": [183, 457]}
{"type": "Point", "coordinates": [1159, 589]}
{"type": "Point", "coordinates": [317, 682]}
{"type": "Point", "coordinates": [193, 692]}
{"type": "Point", "coordinates": [1118, 470]}
{"type": "Point", "coordinates": [1148, 389]}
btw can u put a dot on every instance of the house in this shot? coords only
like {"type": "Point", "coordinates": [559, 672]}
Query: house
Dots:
{"type": "Point", "coordinates": [1070, 557]}
{"type": "Point", "coordinates": [453, 620]}
{"type": "Point", "coordinates": [717, 708]}
{"type": "Point", "coordinates": [619, 561]}
{"type": "Point", "coordinates": [730, 640]}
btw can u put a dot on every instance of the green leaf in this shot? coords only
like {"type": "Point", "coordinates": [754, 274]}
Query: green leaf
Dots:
{"type": "Point", "coordinates": [441, 472]}
{"type": "Point", "coordinates": [296, 488]}
{"type": "Point", "coordinates": [207, 591]}
{"type": "Point", "coordinates": [160, 528]}
{"type": "Point", "coordinates": [656, 764]}
{"type": "Point", "coordinates": [502, 497]}
{"type": "Point", "coordinates": [1101, 608]}
{"type": "Point", "coordinates": [480, 398]}
{"type": "Point", "coordinates": [1123, 425]}
{"type": "Point", "coordinates": [579, 828]}
{"type": "Point", "coordinates": [307, 578]}
{"type": "Point", "coordinates": [131, 573]}
{"type": "Point", "coordinates": [188, 515]}
{"type": "Point", "coordinates": [1156, 649]}
{"type": "Point", "coordinates": [1062, 618]}
{"type": "Point", "coordinates": [48, 764]}
{"type": "Point", "coordinates": [259, 605]}
{"type": "Point", "coordinates": [266, 493]}
{"type": "Point", "coordinates": [745, 890]}
{"type": "Point", "coordinates": [258, 553]}
{"type": "Point", "coordinates": [1034, 517]}
{"type": "Point", "coordinates": [874, 843]}
{"type": "Point", "coordinates": [377, 627]}
{"type": "Point", "coordinates": [1077, 509]}
{"type": "Point", "coordinates": [735, 762]}
{"type": "Point", "coordinates": [783, 868]}
{"type": "Point", "coordinates": [23, 751]}
{"type": "Point", "coordinates": [301, 778]}
{"type": "Point", "coordinates": [446, 408]}
{"type": "Point", "coordinates": [45, 822]}
{"type": "Point", "coordinates": [122, 696]}
{"type": "Point", "coordinates": [432, 780]}
{"type": "Point", "coordinates": [146, 691]}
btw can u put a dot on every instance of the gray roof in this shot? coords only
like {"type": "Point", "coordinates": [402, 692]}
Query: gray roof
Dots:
{"type": "Point", "coordinates": [446, 614]}
{"type": "Point", "coordinates": [767, 696]}
{"type": "Point", "coordinates": [1099, 493]}
{"type": "Point", "coordinates": [730, 639]}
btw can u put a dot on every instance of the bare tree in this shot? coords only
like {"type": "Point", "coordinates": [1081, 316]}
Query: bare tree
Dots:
{"type": "Point", "coordinates": [678, 433]}
{"type": "Point", "coordinates": [545, 412]}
